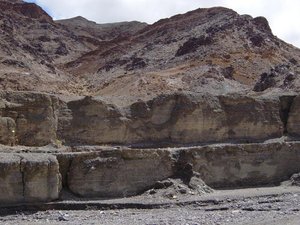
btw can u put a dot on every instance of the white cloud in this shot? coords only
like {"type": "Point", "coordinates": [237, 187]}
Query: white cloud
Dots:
{"type": "Point", "coordinates": [283, 15]}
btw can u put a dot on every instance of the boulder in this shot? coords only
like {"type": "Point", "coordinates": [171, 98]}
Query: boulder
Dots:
{"type": "Point", "coordinates": [118, 173]}
{"type": "Point", "coordinates": [295, 179]}
{"type": "Point", "coordinates": [11, 180]}
{"type": "Point", "coordinates": [41, 177]}
{"type": "Point", "coordinates": [28, 178]}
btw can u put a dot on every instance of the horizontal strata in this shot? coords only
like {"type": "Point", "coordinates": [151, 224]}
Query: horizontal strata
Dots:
{"type": "Point", "coordinates": [36, 119]}
{"type": "Point", "coordinates": [104, 172]}
{"type": "Point", "coordinates": [91, 170]}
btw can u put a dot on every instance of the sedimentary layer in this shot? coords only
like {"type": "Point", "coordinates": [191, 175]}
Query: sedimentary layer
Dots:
{"type": "Point", "coordinates": [109, 172]}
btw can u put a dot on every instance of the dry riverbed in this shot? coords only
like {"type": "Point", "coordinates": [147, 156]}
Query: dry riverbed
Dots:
{"type": "Point", "coordinates": [269, 205]}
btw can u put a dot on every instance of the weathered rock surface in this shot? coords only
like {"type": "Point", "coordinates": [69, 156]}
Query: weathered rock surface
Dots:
{"type": "Point", "coordinates": [178, 118]}
{"type": "Point", "coordinates": [293, 123]}
{"type": "Point", "coordinates": [92, 121]}
{"type": "Point", "coordinates": [117, 173]}
{"type": "Point", "coordinates": [207, 76]}
{"type": "Point", "coordinates": [27, 178]}
{"type": "Point", "coordinates": [36, 119]}
{"type": "Point", "coordinates": [11, 180]}
{"type": "Point", "coordinates": [7, 130]}
{"type": "Point", "coordinates": [96, 172]}
{"type": "Point", "coordinates": [41, 177]}
{"type": "Point", "coordinates": [28, 118]}
{"type": "Point", "coordinates": [245, 165]}
{"type": "Point", "coordinates": [99, 171]}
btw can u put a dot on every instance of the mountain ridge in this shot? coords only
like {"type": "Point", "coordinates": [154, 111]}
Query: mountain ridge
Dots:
{"type": "Point", "coordinates": [208, 50]}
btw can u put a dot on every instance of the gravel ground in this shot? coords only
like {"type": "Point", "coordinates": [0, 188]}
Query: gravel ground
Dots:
{"type": "Point", "coordinates": [248, 206]}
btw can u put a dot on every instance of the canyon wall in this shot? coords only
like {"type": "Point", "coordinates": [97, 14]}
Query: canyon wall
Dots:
{"type": "Point", "coordinates": [261, 135]}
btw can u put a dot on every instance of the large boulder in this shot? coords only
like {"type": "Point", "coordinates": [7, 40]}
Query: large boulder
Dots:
{"type": "Point", "coordinates": [11, 180]}
{"type": "Point", "coordinates": [41, 177]}
{"type": "Point", "coordinates": [28, 178]}
{"type": "Point", "coordinates": [117, 173]}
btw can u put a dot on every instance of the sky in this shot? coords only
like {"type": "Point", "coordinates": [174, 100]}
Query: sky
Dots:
{"type": "Point", "coordinates": [283, 15]}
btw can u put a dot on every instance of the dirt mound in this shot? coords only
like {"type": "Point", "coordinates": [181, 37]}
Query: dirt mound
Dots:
{"type": "Point", "coordinates": [176, 188]}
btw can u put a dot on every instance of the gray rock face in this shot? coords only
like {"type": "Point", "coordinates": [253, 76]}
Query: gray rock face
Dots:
{"type": "Point", "coordinates": [118, 173]}
{"type": "Point", "coordinates": [27, 178]}
{"type": "Point", "coordinates": [41, 177]}
{"type": "Point", "coordinates": [93, 121]}
{"type": "Point", "coordinates": [95, 171]}
{"type": "Point", "coordinates": [245, 165]}
{"type": "Point", "coordinates": [28, 118]}
{"type": "Point", "coordinates": [11, 182]}
{"type": "Point", "coordinates": [178, 118]}
{"type": "Point", "coordinates": [7, 131]}
{"type": "Point", "coordinates": [293, 123]}
{"type": "Point", "coordinates": [38, 119]}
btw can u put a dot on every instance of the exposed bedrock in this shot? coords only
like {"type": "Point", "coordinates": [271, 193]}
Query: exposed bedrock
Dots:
{"type": "Point", "coordinates": [28, 178]}
{"type": "Point", "coordinates": [27, 118]}
{"type": "Point", "coordinates": [177, 119]}
{"type": "Point", "coordinates": [222, 166]}
{"type": "Point", "coordinates": [293, 123]}
{"type": "Point", "coordinates": [95, 172]}
{"type": "Point", "coordinates": [114, 173]}
{"type": "Point", "coordinates": [35, 119]}
{"type": "Point", "coordinates": [106, 172]}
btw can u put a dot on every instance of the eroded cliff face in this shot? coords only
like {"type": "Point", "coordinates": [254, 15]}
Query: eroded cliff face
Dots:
{"type": "Point", "coordinates": [218, 90]}
{"type": "Point", "coordinates": [261, 133]}
{"type": "Point", "coordinates": [35, 119]}
{"type": "Point", "coordinates": [177, 118]}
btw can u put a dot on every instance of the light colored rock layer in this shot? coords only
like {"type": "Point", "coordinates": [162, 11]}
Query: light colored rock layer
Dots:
{"type": "Point", "coordinates": [178, 118]}
{"type": "Point", "coordinates": [29, 178]}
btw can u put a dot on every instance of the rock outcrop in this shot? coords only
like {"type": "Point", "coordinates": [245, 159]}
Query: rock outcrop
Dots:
{"type": "Point", "coordinates": [293, 123]}
{"type": "Point", "coordinates": [245, 165]}
{"type": "Point", "coordinates": [28, 118]}
{"type": "Point", "coordinates": [209, 92]}
{"type": "Point", "coordinates": [35, 119]}
{"type": "Point", "coordinates": [117, 173]}
{"type": "Point", "coordinates": [106, 172]}
{"type": "Point", "coordinates": [29, 178]}
{"type": "Point", "coordinates": [178, 119]}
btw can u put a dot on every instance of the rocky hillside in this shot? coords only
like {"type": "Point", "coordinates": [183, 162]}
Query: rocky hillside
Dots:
{"type": "Point", "coordinates": [122, 109]}
{"type": "Point", "coordinates": [211, 50]}
{"type": "Point", "coordinates": [33, 46]}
